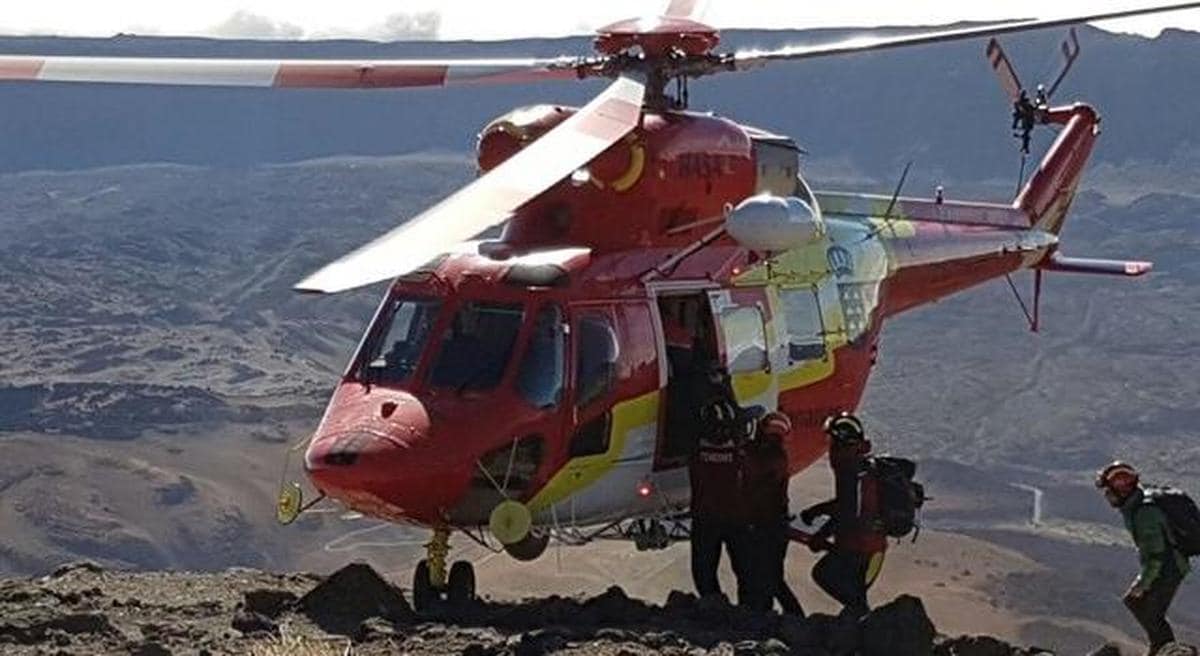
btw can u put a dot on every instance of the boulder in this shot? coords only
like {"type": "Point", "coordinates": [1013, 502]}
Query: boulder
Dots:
{"type": "Point", "coordinates": [268, 602]}
{"type": "Point", "coordinates": [344, 600]}
{"type": "Point", "coordinates": [900, 628]}
{"type": "Point", "coordinates": [253, 623]}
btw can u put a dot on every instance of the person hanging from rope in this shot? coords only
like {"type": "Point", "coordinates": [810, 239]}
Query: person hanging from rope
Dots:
{"type": "Point", "coordinates": [1024, 117]}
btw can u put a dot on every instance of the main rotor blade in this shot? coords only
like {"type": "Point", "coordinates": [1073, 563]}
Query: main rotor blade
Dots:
{"type": "Point", "coordinates": [868, 43]}
{"type": "Point", "coordinates": [490, 199]}
{"type": "Point", "coordinates": [689, 9]}
{"type": "Point", "coordinates": [295, 73]}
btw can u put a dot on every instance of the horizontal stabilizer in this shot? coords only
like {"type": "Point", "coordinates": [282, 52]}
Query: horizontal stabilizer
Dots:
{"type": "Point", "coordinates": [1090, 265]}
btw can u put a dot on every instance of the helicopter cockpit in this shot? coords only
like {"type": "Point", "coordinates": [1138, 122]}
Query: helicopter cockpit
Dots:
{"type": "Point", "coordinates": [471, 350]}
{"type": "Point", "coordinates": [468, 346]}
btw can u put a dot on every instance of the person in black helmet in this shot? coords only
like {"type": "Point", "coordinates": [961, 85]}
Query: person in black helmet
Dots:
{"type": "Point", "coordinates": [855, 556]}
{"type": "Point", "coordinates": [717, 509]}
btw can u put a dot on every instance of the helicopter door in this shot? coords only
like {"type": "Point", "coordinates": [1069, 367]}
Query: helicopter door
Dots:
{"type": "Point", "coordinates": [613, 404]}
{"type": "Point", "coordinates": [748, 351]}
{"type": "Point", "coordinates": [689, 352]}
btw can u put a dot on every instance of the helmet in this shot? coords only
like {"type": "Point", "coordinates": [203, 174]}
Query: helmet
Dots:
{"type": "Point", "coordinates": [720, 418]}
{"type": "Point", "coordinates": [775, 423]}
{"type": "Point", "coordinates": [844, 428]}
{"type": "Point", "coordinates": [1119, 477]}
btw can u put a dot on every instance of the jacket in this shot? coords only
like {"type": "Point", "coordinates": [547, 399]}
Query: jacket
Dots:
{"type": "Point", "coordinates": [765, 480]}
{"type": "Point", "coordinates": [854, 511]}
{"type": "Point", "coordinates": [1152, 536]}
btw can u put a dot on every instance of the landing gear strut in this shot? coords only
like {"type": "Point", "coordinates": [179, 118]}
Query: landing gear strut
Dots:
{"type": "Point", "coordinates": [432, 584]}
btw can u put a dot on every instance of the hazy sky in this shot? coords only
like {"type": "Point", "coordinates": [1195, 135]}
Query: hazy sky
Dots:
{"type": "Point", "coordinates": [495, 19]}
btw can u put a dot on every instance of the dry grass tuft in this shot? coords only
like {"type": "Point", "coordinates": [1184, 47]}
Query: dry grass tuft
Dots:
{"type": "Point", "coordinates": [290, 645]}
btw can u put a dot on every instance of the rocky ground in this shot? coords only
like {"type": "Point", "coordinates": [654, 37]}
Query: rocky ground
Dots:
{"type": "Point", "coordinates": [84, 609]}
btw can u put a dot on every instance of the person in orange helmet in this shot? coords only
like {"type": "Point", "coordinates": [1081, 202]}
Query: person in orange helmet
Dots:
{"type": "Point", "coordinates": [1158, 542]}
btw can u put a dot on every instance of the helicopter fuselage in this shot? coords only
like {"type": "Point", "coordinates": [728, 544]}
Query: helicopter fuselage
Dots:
{"type": "Point", "coordinates": [530, 368]}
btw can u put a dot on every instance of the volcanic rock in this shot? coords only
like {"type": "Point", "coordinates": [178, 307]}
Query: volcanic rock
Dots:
{"type": "Point", "coordinates": [251, 623]}
{"type": "Point", "coordinates": [268, 602]}
{"type": "Point", "coordinates": [341, 603]}
{"type": "Point", "coordinates": [901, 628]}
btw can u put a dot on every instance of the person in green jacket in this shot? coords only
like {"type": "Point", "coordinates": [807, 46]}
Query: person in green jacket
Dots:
{"type": "Point", "coordinates": [1163, 566]}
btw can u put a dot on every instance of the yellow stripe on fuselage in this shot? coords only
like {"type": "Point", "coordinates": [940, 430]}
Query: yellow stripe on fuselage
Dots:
{"type": "Point", "coordinates": [578, 473]}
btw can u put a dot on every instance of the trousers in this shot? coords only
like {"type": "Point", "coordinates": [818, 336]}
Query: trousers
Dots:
{"type": "Point", "coordinates": [846, 576]}
{"type": "Point", "coordinates": [1150, 610]}
{"type": "Point", "coordinates": [771, 542]}
{"type": "Point", "coordinates": [709, 537]}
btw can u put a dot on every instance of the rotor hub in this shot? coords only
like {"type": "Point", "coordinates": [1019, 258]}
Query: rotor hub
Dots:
{"type": "Point", "coordinates": [657, 37]}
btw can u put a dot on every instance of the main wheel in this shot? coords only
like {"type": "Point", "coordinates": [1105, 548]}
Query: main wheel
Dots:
{"type": "Point", "coordinates": [460, 588]}
{"type": "Point", "coordinates": [531, 548]}
{"type": "Point", "coordinates": [424, 596]}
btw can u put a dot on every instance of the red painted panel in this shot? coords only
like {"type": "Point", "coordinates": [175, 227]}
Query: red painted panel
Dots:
{"type": "Point", "coordinates": [20, 69]}
{"type": "Point", "coordinates": [351, 76]}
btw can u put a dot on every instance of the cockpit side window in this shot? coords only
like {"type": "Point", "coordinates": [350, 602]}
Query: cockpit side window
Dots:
{"type": "Point", "coordinates": [477, 346]}
{"type": "Point", "coordinates": [596, 359]}
{"type": "Point", "coordinates": [540, 378]}
{"type": "Point", "coordinates": [397, 348]}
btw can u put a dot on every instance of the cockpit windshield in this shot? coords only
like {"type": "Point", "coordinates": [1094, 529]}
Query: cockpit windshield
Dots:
{"type": "Point", "coordinates": [477, 345]}
{"type": "Point", "coordinates": [397, 349]}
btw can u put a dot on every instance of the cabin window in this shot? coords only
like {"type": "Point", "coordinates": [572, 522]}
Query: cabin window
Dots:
{"type": "Point", "coordinates": [540, 378]}
{"type": "Point", "coordinates": [477, 346]}
{"type": "Point", "coordinates": [405, 326]}
{"type": "Point", "coordinates": [805, 327]}
{"type": "Point", "coordinates": [745, 339]}
{"type": "Point", "coordinates": [595, 359]}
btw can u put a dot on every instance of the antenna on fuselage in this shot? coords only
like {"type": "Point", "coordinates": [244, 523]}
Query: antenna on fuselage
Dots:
{"type": "Point", "coordinates": [887, 215]}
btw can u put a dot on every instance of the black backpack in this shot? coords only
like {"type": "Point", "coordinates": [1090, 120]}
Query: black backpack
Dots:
{"type": "Point", "coordinates": [1183, 517]}
{"type": "Point", "coordinates": [900, 497]}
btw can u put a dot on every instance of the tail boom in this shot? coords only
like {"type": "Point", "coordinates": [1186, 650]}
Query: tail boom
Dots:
{"type": "Point", "coordinates": [1047, 196]}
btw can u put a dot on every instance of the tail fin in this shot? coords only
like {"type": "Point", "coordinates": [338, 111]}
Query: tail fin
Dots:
{"type": "Point", "coordinates": [1047, 196]}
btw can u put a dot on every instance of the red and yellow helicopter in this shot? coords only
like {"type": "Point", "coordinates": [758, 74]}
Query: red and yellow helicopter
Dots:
{"type": "Point", "coordinates": [524, 388]}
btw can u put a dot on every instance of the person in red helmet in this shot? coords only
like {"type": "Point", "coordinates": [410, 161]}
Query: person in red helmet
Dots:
{"type": "Point", "coordinates": [765, 490]}
{"type": "Point", "coordinates": [1164, 566]}
{"type": "Point", "coordinates": [855, 555]}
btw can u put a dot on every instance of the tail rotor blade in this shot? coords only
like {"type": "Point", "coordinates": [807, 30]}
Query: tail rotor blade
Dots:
{"type": "Point", "coordinates": [1004, 70]}
{"type": "Point", "coordinates": [1070, 51]}
{"type": "Point", "coordinates": [491, 198]}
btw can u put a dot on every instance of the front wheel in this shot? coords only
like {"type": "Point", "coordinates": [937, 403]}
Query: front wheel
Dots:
{"type": "Point", "coordinates": [424, 596]}
{"type": "Point", "coordinates": [460, 587]}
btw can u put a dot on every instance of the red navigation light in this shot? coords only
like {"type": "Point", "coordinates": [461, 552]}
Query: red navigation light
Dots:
{"type": "Point", "coordinates": [645, 489]}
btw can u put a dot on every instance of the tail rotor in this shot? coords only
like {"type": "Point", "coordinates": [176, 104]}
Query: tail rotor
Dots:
{"type": "Point", "coordinates": [1029, 112]}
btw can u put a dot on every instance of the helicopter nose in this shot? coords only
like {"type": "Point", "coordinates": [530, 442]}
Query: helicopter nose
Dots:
{"type": "Point", "coordinates": [391, 469]}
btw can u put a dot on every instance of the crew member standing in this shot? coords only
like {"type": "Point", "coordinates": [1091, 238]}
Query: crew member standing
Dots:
{"type": "Point", "coordinates": [1163, 565]}
{"type": "Point", "coordinates": [765, 481]}
{"type": "Point", "coordinates": [717, 508]}
{"type": "Point", "coordinates": [856, 554]}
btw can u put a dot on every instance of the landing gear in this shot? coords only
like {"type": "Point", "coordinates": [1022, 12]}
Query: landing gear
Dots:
{"type": "Point", "coordinates": [432, 584]}
{"type": "Point", "coordinates": [649, 535]}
